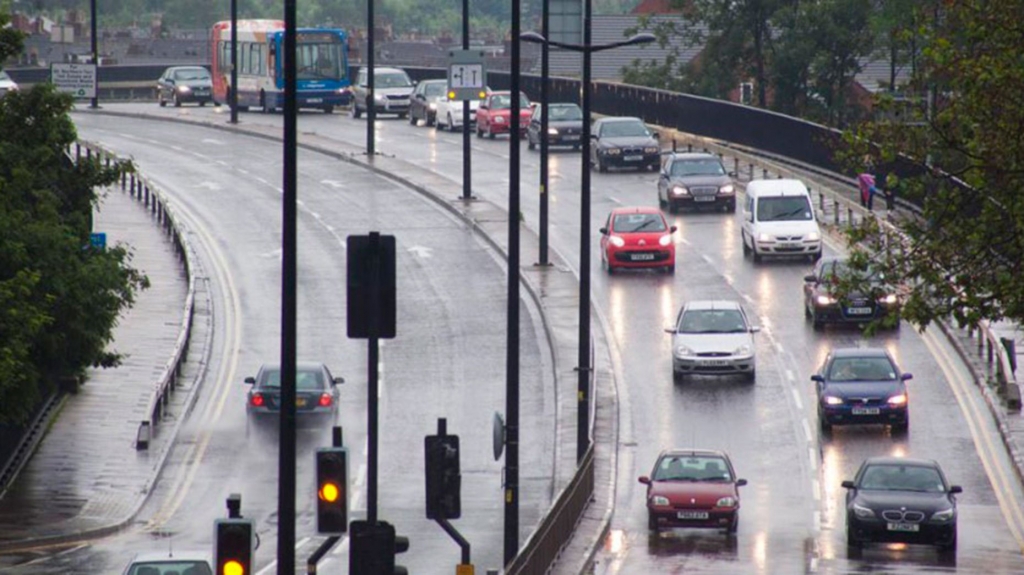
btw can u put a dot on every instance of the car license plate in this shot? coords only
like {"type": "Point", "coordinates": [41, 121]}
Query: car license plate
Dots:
{"type": "Point", "coordinates": [858, 310]}
{"type": "Point", "coordinates": [572, 137]}
{"type": "Point", "coordinates": [315, 100]}
{"type": "Point", "coordinates": [300, 402]}
{"type": "Point", "coordinates": [712, 362]}
{"type": "Point", "coordinates": [865, 411]}
{"type": "Point", "coordinates": [692, 514]}
{"type": "Point", "coordinates": [908, 527]}
{"type": "Point", "coordinates": [633, 158]}
{"type": "Point", "coordinates": [703, 198]}
{"type": "Point", "coordinates": [642, 257]}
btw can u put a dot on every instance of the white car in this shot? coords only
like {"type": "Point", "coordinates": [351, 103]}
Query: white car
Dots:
{"type": "Point", "coordinates": [173, 562]}
{"type": "Point", "coordinates": [7, 84]}
{"type": "Point", "coordinates": [713, 337]}
{"type": "Point", "coordinates": [449, 114]}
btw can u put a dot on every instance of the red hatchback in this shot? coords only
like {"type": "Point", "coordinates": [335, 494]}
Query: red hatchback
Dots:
{"type": "Point", "coordinates": [693, 488]}
{"type": "Point", "coordinates": [637, 237]}
{"type": "Point", "coordinates": [494, 114]}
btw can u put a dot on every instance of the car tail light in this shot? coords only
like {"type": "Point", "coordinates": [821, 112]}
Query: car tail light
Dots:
{"type": "Point", "coordinates": [325, 400]}
{"type": "Point", "coordinates": [257, 400]}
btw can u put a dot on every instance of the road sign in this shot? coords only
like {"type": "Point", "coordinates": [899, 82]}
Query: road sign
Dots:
{"type": "Point", "coordinates": [467, 75]}
{"type": "Point", "coordinates": [79, 80]}
{"type": "Point", "coordinates": [98, 240]}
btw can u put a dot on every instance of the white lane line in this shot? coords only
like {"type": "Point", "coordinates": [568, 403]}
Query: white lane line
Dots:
{"type": "Point", "coordinates": [811, 455]}
{"type": "Point", "coordinates": [614, 199]}
{"type": "Point", "coordinates": [789, 375]}
{"type": "Point", "coordinates": [807, 435]}
{"type": "Point", "coordinates": [816, 487]}
{"type": "Point", "coordinates": [797, 400]}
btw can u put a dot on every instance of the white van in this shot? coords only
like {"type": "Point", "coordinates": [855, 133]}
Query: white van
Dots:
{"type": "Point", "coordinates": [778, 220]}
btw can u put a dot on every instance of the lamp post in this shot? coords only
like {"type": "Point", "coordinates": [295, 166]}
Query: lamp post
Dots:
{"type": "Point", "coordinates": [583, 369]}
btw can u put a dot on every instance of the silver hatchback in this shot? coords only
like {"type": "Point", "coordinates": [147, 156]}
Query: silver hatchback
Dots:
{"type": "Point", "coordinates": [713, 337]}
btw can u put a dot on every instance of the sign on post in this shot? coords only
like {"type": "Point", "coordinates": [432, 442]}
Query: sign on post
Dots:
{"type": "Point", "coordinates": [467, 76]}
{"type": "Point", "coordinates": [79, 80]}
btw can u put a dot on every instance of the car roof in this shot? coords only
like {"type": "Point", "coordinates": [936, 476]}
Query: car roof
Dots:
{"type": "Point", "coordinates": [620, 119]}
{"type": "Point", "coordinates": [859, 352]}
{"type": "Point", "coordinates": [635, 210]}
{"type": "Point", "coordinates": [779, 187]}
{"type": "Point", "coordinates": [712, 304]}
{"type": "Point", "coordinates": [693, 156]}
{"type": "Point", "coordinates": [307, 365]}
{"type": "Point", "coordinates": [679, 451]}
{"type": "Point", "coordinates": [187, 68]}
{"type": "Point", "coordinates": [172, 555]}
{"type": "Point", "coordinates": [890, 460]}
{"type": "Point", "coordinates": [434, 81]}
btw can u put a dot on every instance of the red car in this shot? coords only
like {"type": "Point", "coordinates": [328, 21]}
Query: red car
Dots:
{"type": "Point", "coordinates": [637, 237]}
{"type": "Point", "coordinates": [693, 488]}
{"type": "Point", "coordinates": [493, 115]}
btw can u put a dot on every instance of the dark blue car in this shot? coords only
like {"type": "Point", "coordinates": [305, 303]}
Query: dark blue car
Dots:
{"type": "Point", "coordinates": [862, 386]}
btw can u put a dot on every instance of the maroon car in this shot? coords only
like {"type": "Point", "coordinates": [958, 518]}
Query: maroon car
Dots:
{"type": "Point", "coordinates": [693, 488]}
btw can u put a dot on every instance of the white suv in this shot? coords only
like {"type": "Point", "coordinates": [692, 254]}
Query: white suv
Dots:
{"type": "Point", "coordinates": [392, 91]}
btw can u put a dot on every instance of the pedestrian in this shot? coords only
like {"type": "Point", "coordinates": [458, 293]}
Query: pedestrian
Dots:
{"type": "Point", "coordinates": [866, 183]}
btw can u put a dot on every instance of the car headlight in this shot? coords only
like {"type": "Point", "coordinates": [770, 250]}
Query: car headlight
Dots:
{"type": "Point", "coordinates": [665, 240]}
{"type": "Point", "coordinates": [832, 400]}
{"type": "Point", "coordinates": [378, 97]}
{"type": "Point", "coordinates": [813, 236]}
{"type": "Point", "coordinates": [499, 119]}
{"type": "Point", "coordinates": [863, 512]}
{"type": "Point", "coordinates": [432, 106]}
{"type": "Point", "coordinates": [944, 515]}
{"type": "Point", "coordinates": [727, 189]}
{"type": "Point", "coordinates": [616, 241]}
{"type": "Point", "coordinates": [825, 299]}
{"type": "Point", "coordinates": [184, 89]}
{"type": "Point", "coordinates": [659, 500]}
{"type": "Point", "coordinates": [611, 151]}
{"type": "Point", "coordinates": [726, 502]}
{"type": "Point", "coordinates": [651, 150]}
{"type": "Point", "coordinates": [763, 237]}
{"type": "Point", "coordinates": [742, 350]}
{"type": "Point", "coordinates": [683, 351]}
{"type": "Point", "coordinates": [680, 191]}
{"type": "Point", "coordinates": [889, 299]}
{"type": "Point", "coordinates": [900, 399]}
{"type": "Point", "coordinates": [552, 131]}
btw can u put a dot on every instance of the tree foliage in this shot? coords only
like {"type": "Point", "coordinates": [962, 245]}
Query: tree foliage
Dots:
{"type": "Point", "coordinates": [963, 163]}
{"type": "Point", "coordinates": [59, 298]}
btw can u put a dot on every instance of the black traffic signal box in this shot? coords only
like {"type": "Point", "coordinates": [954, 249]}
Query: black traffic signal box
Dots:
{"type": "Point", "coordinates": [372, 549]}
{"type": "Point", "coordinates": [233, 548]}
{"type": "Point", "coordinates": [331, 490]}
{"type": "Point", "coordinates": [372, 294]}
{"type": "Point", "coordinates": [444, 481]}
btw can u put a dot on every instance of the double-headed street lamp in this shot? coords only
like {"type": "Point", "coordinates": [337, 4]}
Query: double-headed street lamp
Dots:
{"type": "Point", "coordinates": [584, 367]}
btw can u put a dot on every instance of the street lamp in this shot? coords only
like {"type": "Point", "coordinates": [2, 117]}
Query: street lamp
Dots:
{"type": "Point", "coordinates": [584, 367]}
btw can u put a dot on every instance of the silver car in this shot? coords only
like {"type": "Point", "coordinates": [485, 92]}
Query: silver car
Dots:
{"type": "Point", "coordinates": [713, 337]}
{"type": "Point", "coordinates": [392, 91]}
{"type": "Point", "coordinates": [190, 562]}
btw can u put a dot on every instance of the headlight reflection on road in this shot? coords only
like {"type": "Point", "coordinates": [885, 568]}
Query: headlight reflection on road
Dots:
{"type": "Point", "coordinates": [616, 541]}
{"type": "Point", "coordinates": [832, 496]}
{"type": "Point", "coordinates": [761, 550]}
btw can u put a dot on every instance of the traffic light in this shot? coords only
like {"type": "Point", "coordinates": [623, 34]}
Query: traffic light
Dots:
{"type": "Point", "coordinates": [234, 546]}
{"type": "Point", "coordinates": [372, 549]}
{"type": "Point", "coordinates": [331, 490]}
{"type": "Point", "coordinates": [444, 483]}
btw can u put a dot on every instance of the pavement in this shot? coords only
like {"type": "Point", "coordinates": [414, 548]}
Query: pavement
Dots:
{"type": "Point", "coordinates": [91, 480]}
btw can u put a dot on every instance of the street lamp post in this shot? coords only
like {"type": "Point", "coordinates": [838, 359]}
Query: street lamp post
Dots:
{"type": "Point", "coordinates": [584, 367]}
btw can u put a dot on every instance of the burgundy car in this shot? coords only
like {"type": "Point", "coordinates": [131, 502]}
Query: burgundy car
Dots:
{"type": "Point", "coordinates": [693, 488]}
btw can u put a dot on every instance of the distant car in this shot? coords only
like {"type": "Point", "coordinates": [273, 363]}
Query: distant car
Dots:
{"type": "Point", "coordinates": [392, 91]}
{"type": "Point", "coordinates": [902, 500]}
{"type": "Point", "coordinates": [565, 125]}
{"type": "Point", "coordinates": [713, 337]}
{"type": "Point", "coordinates": [449, 112]}
{"type": "Point", "coordinates": [623, 142]}
{"type": "Point", "coordinates": [7, 84]}
{"type": "Point", "coordinates": [821, 306]}
{"type": "Point", "coordinates": [862, 385]}
{"type": "Point", "coordinates": [316, 391]}
{"type": "Point", "coordinates": [171, 563]}
{"type": "Point", "coordinates": [693, 488]}
{"type": "Point", "coordinates": [696, 180]}
{"type": "Point", "coordinates": [493, 117]}
{"type": "Point", "coordinates": [184, 84]}
{"type": "Point", "coordinates": [425, 97]}
{"type": "Point", "coordinates": [637, 237]}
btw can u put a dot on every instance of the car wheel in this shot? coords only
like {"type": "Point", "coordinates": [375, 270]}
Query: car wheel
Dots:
{"type": "Point", "coordinates": [817, 323]}
{"type": "Point", "coordinates": [673, 208]}
{"type": "Point", "coordinates": [824, 425]}
{"type": "Point", "coordinates": [807, 311]}
{"type": "Point", "coordinates": [652, 522]}
{"type": "Point", "coordinates": [901, 428]}
{"type": "Point", "coordinates": [412, 119]}
{"type": "Point", "coordinates": [734, 525]}
{"type": "Point", "coordinates": [743, 240]}
{"type": "Point", "coordinates": [670, 269]}
{"type": "Point", "coordinates": [949, 547]}
{"type": "Point", "coordinates": [529, 144]}
{"type": "Point", "coordinates": [751, 376]}
{"type": "Point", "coordinates": [601, 166]}
{"type": "Point", "coordinates": [852, 543]}
{"type": "Point", "coordinates": [431, 119]}
{"type": "Point", "coordinates": [732, 207]}
{"type": "Point", "coordinates": [202, 103]}
{"type": "Point", "coordinates": [678, 376]}
{"type": "Point", "coordinates": [402, 115]}
{"type": "Point", "coordinates": [177, 101]}
{"type": "Point", "coordinates": [479, 130]}
{"type": "Point", "coordinates": [355, 111]}
{"type": "Point", "coordinates": [490, 132]}
{"type": "Point", "coordinates": [451, 123]}
{"type": "Point", "coordinates": [757, 256]}
{"type": "Point", "coordinates": [161, 101]}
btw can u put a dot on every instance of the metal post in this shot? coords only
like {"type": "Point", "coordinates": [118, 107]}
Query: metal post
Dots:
{"type": "Point", "coordinates": [544, 177]}
{"type": "Point", "coordinates": [95, 53]}
{"type": "Point", "coordinates": [371, 112]}
{"type": "Point", "coordinates": [233, 97]}
{"type": "Point", "coordinates": [583, 361]}
{"type": "Point", "coordinates": [467, 171]}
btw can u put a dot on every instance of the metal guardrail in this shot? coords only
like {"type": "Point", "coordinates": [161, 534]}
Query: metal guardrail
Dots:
{"type": "Point", "coordinates": [144, 192]}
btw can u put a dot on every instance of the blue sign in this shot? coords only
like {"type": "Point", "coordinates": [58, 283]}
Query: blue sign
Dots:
{"type": "Point", "coordinates": [98, 240]}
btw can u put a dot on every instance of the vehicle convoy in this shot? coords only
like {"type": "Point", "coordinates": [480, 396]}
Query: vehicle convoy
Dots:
{"type": "Point", "coordinates": [901, 500]}
{"type": "Point", "coordinates": [824, 305]}
{"type": "Point", "coordinates": [392, 91]}
{"type": "Point", "coordinates": [321, 54]}
{"type": "Point", "coordinates": [862, 385]}
{"type": "Point", "coordinates": [494, 115]}
{"type": "Point", "coordinates": [779, 220]}
{"type": "Point", "coordinates": [696, 180]}
{"type": "Point", "coordinates": [637, 237]}
{"type": "Point", "coordinates": [693, 488]}
{"type": "Point", "coordinates": [426, 96]}
{"type": "Point", "coordinates": [713, 337]}
{"type": "Point", "coordinates": [316, 392]}
{"type": "Point", "coordinates": [565, 125]}
{"type": "Point", "coordinates": [184, 84]}
{"type": "Point", "coordinates": [623, 142]}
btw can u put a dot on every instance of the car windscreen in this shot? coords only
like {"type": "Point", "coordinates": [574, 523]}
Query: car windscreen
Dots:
{"type": "Point", "coordinates": [305, 379]}
{"type": "Point", "coordinates": [504, 102]}
{"type": "Point", "coordinates": [191, 74]}
{"type": "Point", "coordinates": [861, 369]}
{"type": "Point", "coordinates": [170, 567]}
{"type": "Point", "coordinates": [712, 321]}
{"type": "Point", "coordinates": [633, 223]}
{"type": "Point", "coordinates": [707, 167]}
{"type": "Point", "coordinates": [843, 269]}
{"type": "Point", "coordinates": [391, 80]}
{"type": "Point", "coordinates": [565, 113]}
{"type": "Point", "coordinates": [692, 468]}
{"type": "Point", "coordinates": [624, 130]}
{"type": "Point", "coordinates": [902, 478]}
{"type": "Point", "coordinates": [783, 208]}
{"type": "Point", "coordinates": [435, 89]}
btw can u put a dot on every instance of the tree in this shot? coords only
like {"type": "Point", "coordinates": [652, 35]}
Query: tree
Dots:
{"type": "Point", "coordinates": [963, 164]}
{"type": "Point", "coordinates": [59, 298]}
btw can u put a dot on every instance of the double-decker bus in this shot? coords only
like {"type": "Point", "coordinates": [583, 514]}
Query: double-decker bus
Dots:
{"type": "Point", "coordinates": [322, 78]}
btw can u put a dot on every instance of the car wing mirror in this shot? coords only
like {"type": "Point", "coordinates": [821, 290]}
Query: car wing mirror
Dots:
{"type": "Point", "coordinates": [250, 380]}
{"type": "Point", "coordinates": [741, 482]}
{"type": "Point", "coordinates": [671, 330]}
{"type": "Point", "coordinates": [755, 328]}
{"type": "Point", "coordinates": [733, 175]}
{"type": "Point", "coordinates": [604, 231]}
{"type": "Point", "coordinates": [818, 378]}
{"type": "Point", "coordinates": [673, 228]}
{"type": "Point", "coordinates": [848, 484]}
{"type": "Point", "coordinates": [954, 489]}
{"type": "Point", "coordinates": [338, 380]}
{"type": "Point", "coordinates": [907, 376]}
{"type": "Point", "coordinates": [644, 479]}
{"type": "Point", "coordinates": [656, 135]}
{"type": "Point", "coordinates": [811, 278]}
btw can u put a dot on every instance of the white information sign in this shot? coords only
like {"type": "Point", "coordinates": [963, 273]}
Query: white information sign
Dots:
{"type": "Point", "coordinates": [79, 80]}
{"type": "Point", "coordinates": [467, 75]}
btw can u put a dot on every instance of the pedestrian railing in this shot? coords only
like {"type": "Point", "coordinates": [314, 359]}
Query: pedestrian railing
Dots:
{"type": "Point", "coordinates": [144, 192]}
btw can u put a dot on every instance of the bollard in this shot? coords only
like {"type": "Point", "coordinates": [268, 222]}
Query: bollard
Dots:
{"type": "Point", "coordinates": [146, 202]}
{"type": "Point", "coordinates": [735, 165]}
{"type": "Point", "coordinates": [673, 145]}
{"type": "Point", "coordinates": [821, 201]}
{"type": "Point", "coordinates": [849, 216]}
{"type": "Point", "coordinates": [689, 146]}
{"type": "Point", "coordinates": [751, 166]}
{"type": "Point", "coordinates": [124, 179]}
{"type": "Point", "coordinates": [835, 208]}
{"type": "Point", "coordinates": [1010, 345]}
{"type": "Point", "coordinates": [131, 188]}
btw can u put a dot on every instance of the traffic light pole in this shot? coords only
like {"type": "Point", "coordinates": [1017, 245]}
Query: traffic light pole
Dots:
{"type": "Point", "coordinates": [320, 552]}
{"type": "Point", "coordinates": [450, 530]}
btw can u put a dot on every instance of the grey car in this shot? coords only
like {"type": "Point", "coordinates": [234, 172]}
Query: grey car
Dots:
{"type": "Point", "coordinates": [184, 84]}
{"type": "Point", "coordinates": [623, 142]}
{"type": "Point", "coordinates": [173, 562]}
{"type": "Point", "coordinates": [713, 337]}
{"type": "Point", "coordinates": [565, 125]}
{"type": "Point", "coordinates": [316, 391]}
{"type": "Point", "coordinates": [696, 180]}
{"type": "Point", "coordinates": [392, 91]}
{"type": "Point", "coordinates": [425, 98]}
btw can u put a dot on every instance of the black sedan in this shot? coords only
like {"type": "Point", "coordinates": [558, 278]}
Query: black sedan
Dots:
{"type": "Point", "coordinates": [181, 84]}
{"type": "Point", "coordinates": [623, 142]}
{"type": "Point", "coordinates": [565, 125]}
{"type": "Point", "coordinates": [868, 297]}
{"type": "Point", "coordinates": [902, 500]}
{"type": "Point", "coordinates": [316, 391]}
{"type": "Point", "coordinates": [862, 385]}
{"type": "Point", "coordinates": [696, 180]}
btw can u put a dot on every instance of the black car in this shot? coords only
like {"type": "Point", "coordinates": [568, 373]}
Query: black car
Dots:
{"type": "Point", "coordinates": [874, 301]}
{"type": "Point", "coordinates": [316, 391]}
{"type": "Point", "coordinates": [423, 105]}
{"type": "Point", "coordinates": [565, 125]}
{"type": "Point", "coordinates": [623, 142]}
{"type": "Point", "coordinates": [696, 180]}
{"type": "Point", "coordinates": [902, 500]}
{"type": "Point", "coordinates": [862, 385]}
{"type": "Point", "coordinates": [183, 84]}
